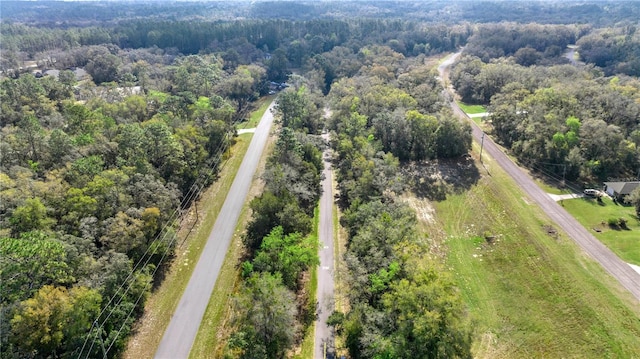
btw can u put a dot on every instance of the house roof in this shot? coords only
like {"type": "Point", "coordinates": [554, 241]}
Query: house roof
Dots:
{"type": "Point", "coordinates": [623, 187]}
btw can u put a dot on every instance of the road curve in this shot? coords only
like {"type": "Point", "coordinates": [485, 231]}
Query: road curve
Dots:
{"type": "Point", "coordinates": [180, 334]}
{"type": "Point", "coordinates": [324, 347]}
{"type": "Point", "coordinates": [620, 270]}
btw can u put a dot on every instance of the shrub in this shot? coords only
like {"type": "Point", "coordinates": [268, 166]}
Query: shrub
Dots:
{"type": "Point", "coordinates": [613, 222]}
{"type": "Point", "coordinates": [622, 222]}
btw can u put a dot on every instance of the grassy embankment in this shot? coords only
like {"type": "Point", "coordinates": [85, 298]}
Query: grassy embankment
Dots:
{"type": "Point", "coordinates": [531, 292]}
{"type": "Point", "coordinates": [192, 238]}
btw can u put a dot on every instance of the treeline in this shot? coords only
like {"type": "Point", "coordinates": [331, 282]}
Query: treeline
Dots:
{"type": "Point", "coordinates": [599, 13]}
{"type": "Point", "coordinates": [401, 304]}
{"type": "Point", "coordinates": [529, 44]}
{"type": "Point", "coordinates": [299, 40]}
{"type": "Point", "coordinates": [615, 50]}
{"type": "Point", "coordinates": [64, 14]}
{"type": "Point", "coordinates": [274, 308]}
{"type": "Point", "coordinates": [568, 122]}
{"type": "Point", "coordinates": [93, 181]}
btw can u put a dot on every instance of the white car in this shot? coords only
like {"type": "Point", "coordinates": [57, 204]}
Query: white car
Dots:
{"type": "Point", "coordinates": [591, 192]}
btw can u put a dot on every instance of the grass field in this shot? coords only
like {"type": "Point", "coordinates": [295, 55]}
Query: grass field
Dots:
{"type": "Point", "coordinates": [471, 109]}
{"type": "Point", "coordinates": [623, 242]}
{"type": "Point", "coordinates": [530, 291]}
{"type": "Point", "coordinates": [193, 236]}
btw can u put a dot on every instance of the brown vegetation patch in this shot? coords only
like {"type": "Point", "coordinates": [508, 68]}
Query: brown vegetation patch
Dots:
{"type": "Point", "coordinates": [434, 179]}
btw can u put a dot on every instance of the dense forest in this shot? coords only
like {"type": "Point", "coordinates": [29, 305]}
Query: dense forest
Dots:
{"type": "Point", "coordinates": [112, 125]}
{"type": "Point", "coordinates": [600, 13]}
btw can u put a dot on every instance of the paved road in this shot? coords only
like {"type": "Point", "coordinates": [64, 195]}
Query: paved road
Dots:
{"type": "Point", "coordinates": [181, 332]}
{"type": "Point", "coordinates": [620, 270]}
{"type": "Point", "coordinates": [325, 293]}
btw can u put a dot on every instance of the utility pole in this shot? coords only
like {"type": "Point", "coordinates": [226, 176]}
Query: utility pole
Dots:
{"type": "Point", "coordinates": [481, 146]}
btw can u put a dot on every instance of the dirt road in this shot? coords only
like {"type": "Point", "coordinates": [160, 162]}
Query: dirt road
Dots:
{"type": "Point", "coordinates": [181, 332]}
{"type": "Point", "coordinates": [622, 272]}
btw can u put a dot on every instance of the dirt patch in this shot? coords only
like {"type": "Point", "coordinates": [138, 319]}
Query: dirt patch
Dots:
{"type": "Point", "coordinates": [424, 210]}
{"type": "Point", "coordinates": [551, 231]}
{"type": "Point", "coordinates": [434, 179]}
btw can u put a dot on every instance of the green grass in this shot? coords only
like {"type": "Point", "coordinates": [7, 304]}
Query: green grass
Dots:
{"type": "Point", "coordinates": [471, 109]}
{"type": "Point", "coordinates": [530, 294]}
{"type": "Point", "coordinates": [625, 243]}
{"type": "Point", "coordinates": [549, 188]}
{"type": "Point", "coordinates": [308, 343]}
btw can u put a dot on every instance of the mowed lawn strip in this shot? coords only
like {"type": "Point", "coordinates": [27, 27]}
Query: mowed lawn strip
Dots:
{"type": "Point", "coordinates": [530, 291]}
{"type": "Point", "coordinates": [594, 216]}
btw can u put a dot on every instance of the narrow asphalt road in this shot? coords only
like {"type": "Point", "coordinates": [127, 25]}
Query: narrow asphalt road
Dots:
{"type": "Point", "coordinates": [181, 333]}
{"type": "Point", "coordinates": [324, 347]}
{"type": "Point", "coordinates": [620, 270]}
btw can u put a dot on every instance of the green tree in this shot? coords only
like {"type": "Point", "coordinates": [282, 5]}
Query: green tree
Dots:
{"type": "Point", "coordinates": [32, 133]}
{"type": "Point", "coordinates": [270, 211]}
{"type": "Point", "coordinates": [104, 67]}
{"type": "Point", "coordinates": [27, 263]}
{"type": "Point", "coordinates": [32, 215]}
{"type": "Point", "coordinates": [634, 199]}
{"type": "Point", "coordinates": [278, 66]}
{"type": "Point", "coordinates": [123, 233]}
{"type": "Point", "coordinates": [288, 255]}
{"type": "Point", "coordinates": [164, 152]}
{"type": "Point", "coordinates": [267, 320]}
{"type": "Point", "coordinates": [427, 318]}
{"type": "Point", "coordinates": [243, 86]}
{"type": "Point", "coordinates": [54, 320]}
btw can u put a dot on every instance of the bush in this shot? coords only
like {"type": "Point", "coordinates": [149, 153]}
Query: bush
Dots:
{"type": "Point", "coordinates": [622, 222]}
{"type": "Point", "coordinates": [613, 222]}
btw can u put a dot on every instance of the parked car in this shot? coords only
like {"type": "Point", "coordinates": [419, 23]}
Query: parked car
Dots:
{"type": "Point", "coordinates": [591, 192]}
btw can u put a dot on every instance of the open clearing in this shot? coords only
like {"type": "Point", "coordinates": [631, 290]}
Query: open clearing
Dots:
{"type": "Point", "coordinates": [530, 291]}
{"type": "Point", "coordinates": [472, 109]}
